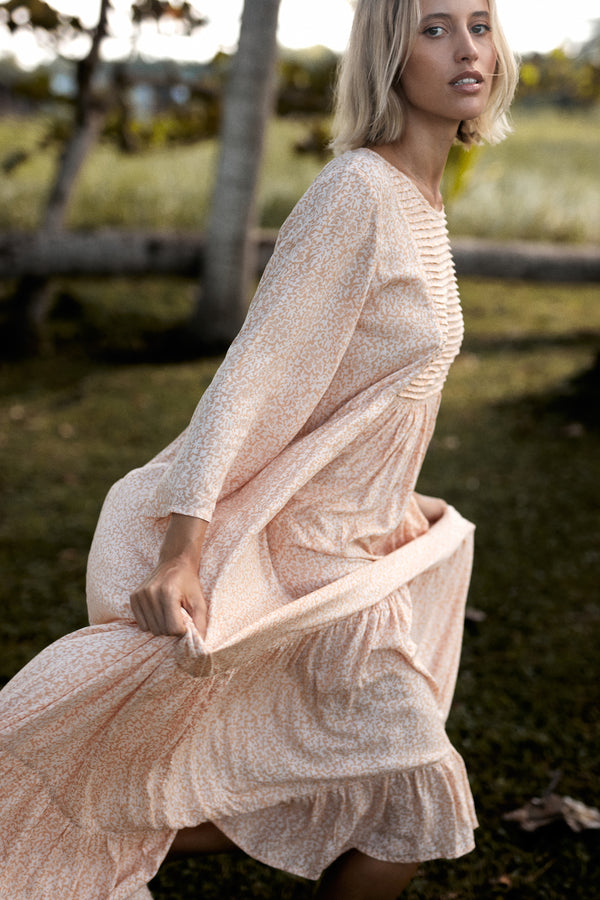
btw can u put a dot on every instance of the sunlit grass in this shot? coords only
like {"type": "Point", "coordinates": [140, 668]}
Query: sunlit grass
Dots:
{"type": "Point", "coordinates": [540, 184]}
{"type": "Point", "coordinates": [156, 189]}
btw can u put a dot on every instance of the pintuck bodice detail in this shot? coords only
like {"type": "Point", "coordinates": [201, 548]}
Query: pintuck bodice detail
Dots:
{"type": "Point", "coordinates": [430, 234]}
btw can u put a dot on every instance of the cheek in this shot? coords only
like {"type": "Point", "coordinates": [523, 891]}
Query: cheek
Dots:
{"type": "Point", "coordinates": [417, 75]}
{"type": "Point", "coordinates": [408, 76]}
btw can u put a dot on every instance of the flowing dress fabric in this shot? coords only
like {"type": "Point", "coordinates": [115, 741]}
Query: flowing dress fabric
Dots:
{"type": "Point", "coordinates": [310, 720]}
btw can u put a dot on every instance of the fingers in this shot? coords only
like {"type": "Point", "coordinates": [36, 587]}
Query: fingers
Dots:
{"type": "Point", "coordinates": [432, 507]}
{"type": "Point", "coordinates": [157, 612]}
{"type": "Point", "coordinates": [197, 610]}
{"type": "Point", "coordinates": [138, 613]}
{"type": "Point", "coordinates": [157, 604]}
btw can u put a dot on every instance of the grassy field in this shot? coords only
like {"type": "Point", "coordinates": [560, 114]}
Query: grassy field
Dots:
{"type": "Point", "coordinates": [540, 184]}
{"type": "Point", "coordinates": [514, 450]}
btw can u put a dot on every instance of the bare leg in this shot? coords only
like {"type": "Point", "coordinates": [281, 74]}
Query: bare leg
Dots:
{"type": "Point", "coordinates": [355, 876]}
{"type": "Point", "coordinates": [205, 838]}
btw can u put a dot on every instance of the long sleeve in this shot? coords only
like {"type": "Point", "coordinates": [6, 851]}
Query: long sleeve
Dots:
{"type": "Point", "coordinates": [297, 330]}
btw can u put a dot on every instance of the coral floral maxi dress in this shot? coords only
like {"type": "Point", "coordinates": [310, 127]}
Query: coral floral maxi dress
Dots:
{"type": "Point", "coordinates": [311, 718]}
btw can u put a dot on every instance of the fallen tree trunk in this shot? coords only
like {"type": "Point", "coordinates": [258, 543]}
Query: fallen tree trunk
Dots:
{"type": "Point", "coordinates": [105, 253]}
{"type": "Point", "coordinates": [530, 260]}
{"type": "Point", "coordinates": [120, 253]}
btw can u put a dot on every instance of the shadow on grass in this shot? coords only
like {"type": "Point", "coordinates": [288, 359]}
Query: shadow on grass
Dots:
{"type": "Point", "coordinates": [227, 877]}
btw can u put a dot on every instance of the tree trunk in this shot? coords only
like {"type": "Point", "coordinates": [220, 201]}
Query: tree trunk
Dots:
{"type": "Point", "coordinates": [89, 117]}
{"type": "Point", "coordinates": [119, 252]}
{"type": "Point", "coordinates": [73, 156]}
{"type": "Point", "coordinates": [33, 296]}
{"type": "Point", "coordinates": [228, 264]}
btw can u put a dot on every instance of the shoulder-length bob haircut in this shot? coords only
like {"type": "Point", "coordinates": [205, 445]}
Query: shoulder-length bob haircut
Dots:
{"type": "Point", "coordinates": [369, 109]}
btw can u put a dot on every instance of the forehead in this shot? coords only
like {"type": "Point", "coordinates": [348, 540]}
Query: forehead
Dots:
{"type": "Point", "coordinates": [455, 8]}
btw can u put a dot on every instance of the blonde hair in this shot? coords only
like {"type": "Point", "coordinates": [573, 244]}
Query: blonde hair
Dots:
{"type": "Point", "coordinates": [368, 108]}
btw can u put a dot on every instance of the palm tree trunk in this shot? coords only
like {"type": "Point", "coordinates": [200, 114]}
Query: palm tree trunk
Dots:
{"type": "Point", "coordinates": [229, 257]}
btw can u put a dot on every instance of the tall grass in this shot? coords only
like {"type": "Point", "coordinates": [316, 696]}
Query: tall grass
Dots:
{"type": "Point", "coordinates": [540, 184]}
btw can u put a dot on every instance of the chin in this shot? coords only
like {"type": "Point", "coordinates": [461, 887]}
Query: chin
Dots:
{"type": "Point", "coordinates": [472, 111]}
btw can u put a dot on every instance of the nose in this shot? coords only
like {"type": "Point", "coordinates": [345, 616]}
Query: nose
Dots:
{"type": "Point", "coordinates": [466, 49]}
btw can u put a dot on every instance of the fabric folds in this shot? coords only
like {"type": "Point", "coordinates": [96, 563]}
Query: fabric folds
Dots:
{"type": "Point", "coordinates": [311, 718]}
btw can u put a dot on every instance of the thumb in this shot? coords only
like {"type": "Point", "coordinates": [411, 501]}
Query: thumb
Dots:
{"type": "Point", "coordinates": [196, 607]}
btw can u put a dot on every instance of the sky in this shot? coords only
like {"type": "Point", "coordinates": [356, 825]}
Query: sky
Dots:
{"type": "Point", "coordinates": [530, 25]}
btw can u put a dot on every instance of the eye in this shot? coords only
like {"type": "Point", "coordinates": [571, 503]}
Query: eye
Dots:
{"type": "Point", "coordinates": [434, 31]}
{"type": "Point", "coordinates": [481, 28]}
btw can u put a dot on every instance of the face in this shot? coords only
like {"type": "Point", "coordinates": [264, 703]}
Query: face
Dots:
{"type": "Point", "coordinates": [449, 74]}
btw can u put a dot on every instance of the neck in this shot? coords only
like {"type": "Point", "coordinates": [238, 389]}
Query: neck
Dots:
{"type": "Point", "coordinates": [421, 153]}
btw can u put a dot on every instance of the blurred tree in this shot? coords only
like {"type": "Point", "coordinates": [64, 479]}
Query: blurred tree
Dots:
{"type": "Point", "coordinates": [562, 79]}
{"type": "Point", "coordinates": [50, 28]}
{"type": "Point", "coordinates": [591, 48]}
{"type": "Point", "coordinates": [229, 258]}
{"type": "Point", "coordinates": [306, 81]}
{"type": "Point", "coordinates": [32, 296]}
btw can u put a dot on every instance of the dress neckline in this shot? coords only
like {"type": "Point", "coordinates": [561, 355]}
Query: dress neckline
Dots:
{"type": "Point", "coordinates": [408, 180]}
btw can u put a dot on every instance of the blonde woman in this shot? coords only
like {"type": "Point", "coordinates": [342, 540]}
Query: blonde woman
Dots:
{"type": "Point", "coordinates": [276, 614]}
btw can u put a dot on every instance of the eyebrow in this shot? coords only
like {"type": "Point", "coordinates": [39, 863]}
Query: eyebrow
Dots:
{"type": "Point", "coordinates": [482, 13]}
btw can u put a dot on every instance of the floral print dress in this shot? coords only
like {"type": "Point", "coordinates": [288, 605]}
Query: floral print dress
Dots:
{"type": "Point", "coordinates": [310, 720]}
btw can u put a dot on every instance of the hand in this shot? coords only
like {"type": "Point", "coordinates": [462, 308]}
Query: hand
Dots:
{"type": "Point", "coordinates": [432, 507]}
{"type": "Point", "coordinates": [158, 602]}
{"type": "Point", "coordinates": [174, 586]}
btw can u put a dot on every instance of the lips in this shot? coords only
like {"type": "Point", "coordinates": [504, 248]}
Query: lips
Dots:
{"type": "Point", "coordinates": [469, 77]}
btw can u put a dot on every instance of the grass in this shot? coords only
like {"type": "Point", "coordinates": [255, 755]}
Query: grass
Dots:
{"type": "Point", "coordinates": [512, 458]}
{"type": "Point", "coordinates": [540, 184]}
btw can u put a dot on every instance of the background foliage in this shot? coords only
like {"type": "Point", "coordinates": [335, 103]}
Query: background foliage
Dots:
{"type": "Point", "coordinates": [541, 183]}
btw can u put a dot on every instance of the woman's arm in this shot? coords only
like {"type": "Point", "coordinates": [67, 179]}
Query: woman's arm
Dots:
{"type": "Point", "coordinates": [298, 328]}
{"type": "Point", "coordinates": [174, 584]}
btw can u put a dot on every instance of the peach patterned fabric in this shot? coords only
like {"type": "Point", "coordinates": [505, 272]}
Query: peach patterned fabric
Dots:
{"type": "Point", "coordinates": [311, 718]}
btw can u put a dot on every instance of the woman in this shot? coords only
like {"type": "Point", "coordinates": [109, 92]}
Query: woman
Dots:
{"type": "Point", "coordinates": [290, 698]}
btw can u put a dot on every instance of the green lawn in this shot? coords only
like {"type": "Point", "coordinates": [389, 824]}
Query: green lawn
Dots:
{"type": "Point", "coordinates": [507, 453]}
{"type": "Point", "coordinates": [540, 184]}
